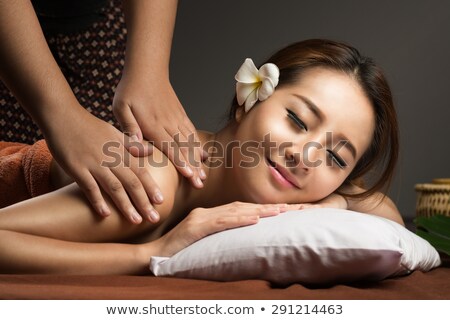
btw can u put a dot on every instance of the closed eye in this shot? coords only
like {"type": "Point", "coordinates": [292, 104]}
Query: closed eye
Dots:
{"type": "Point", "coordinates": [336, 159]}
{"type": "Point", "coordinates": [293, 116]}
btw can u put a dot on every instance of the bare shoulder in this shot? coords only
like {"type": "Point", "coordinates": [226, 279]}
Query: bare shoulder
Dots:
{"type": "Point", "coordinates": [175, 188]}
{"type": "Point", "coordinates": [166, 177]}
{"type": "Point", "coordinates": [173, 185]}
{"type": "Point", "coordinates": [66, 214]}
{"type": "Point", "coordinates": [379, 205]}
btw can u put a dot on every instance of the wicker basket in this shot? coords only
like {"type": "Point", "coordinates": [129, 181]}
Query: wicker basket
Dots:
{"type": "Point", "coordinates": [433, 198]}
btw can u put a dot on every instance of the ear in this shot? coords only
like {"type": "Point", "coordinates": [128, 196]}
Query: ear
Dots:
{"type": "Point", "coordinates": [239, 114]}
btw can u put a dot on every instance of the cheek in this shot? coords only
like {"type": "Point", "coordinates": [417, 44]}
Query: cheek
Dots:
{"type": "Point", "coordinates": [267, 119]}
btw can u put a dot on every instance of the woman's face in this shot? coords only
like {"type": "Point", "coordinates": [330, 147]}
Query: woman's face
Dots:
{"type": "Point", "coordinates": [301, 143]}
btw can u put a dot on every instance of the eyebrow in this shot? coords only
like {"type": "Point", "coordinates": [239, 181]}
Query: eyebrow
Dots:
{"type": "Point", "coordinates": [350, 147]}
{"type": "Point", "coordinates": [311, 106]}
{"type": "Point", "coordinates": [320, 115]}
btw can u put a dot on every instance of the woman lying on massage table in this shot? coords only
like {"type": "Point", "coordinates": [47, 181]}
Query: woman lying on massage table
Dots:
{"type": "Point", "coordinates": [304, 130]}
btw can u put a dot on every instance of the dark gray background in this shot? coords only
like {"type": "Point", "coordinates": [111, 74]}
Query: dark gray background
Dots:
{"type": "Point", "coordinates": [409, 39]}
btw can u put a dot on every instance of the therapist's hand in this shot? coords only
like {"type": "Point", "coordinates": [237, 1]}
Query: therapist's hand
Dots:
{"type": "Point", "coordinates": [149, 108]}
{"type": "Point", "coordinates": [95, 154]}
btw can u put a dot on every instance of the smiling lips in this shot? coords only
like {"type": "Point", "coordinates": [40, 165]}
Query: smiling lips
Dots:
{"type": "Point", "coordinates": [281, 175]}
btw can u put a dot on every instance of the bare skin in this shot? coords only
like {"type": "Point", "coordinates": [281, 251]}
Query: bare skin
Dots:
{"type": "Point", "coordinates": [64, 226]}
{"type": "Point", "coordinates": [74, 240]}
{"type": "Point", "coordinates": [60, 233]}
{"type": "Point", "coordinates": [144, 104]}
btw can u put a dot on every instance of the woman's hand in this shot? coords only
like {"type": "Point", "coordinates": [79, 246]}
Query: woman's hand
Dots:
{"type": "Point", "coordinates": [150, 108]}
{"type": "Point", "coordinates": [332, 201]}
{"type": "Point", "coordinates": [95, 154]}
{"type": "Point", "coordinates": [202, 222]}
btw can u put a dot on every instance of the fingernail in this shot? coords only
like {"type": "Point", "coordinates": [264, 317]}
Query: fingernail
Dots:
{"type": "Point", "coordinates": [159, 197]}
{"type": "Point", "coordinates": [205, 155]}
{"type": "Point", "coordinates": [134, 138]}
{"type": "Point", "coordinates": [202, 174]}
{"type": "Point", "coordinates": [189, 171]}
{"type": "Point", "coordinates": [153, 215]}
{"type": "Point", "coordinates": [199, 182]}
{"type": "Point", "coordinates": [104, 210]}
{"type": "Point", "coordinates": [135, 216]}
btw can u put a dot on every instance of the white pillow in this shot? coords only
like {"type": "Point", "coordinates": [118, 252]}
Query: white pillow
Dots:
{"type": "Point", "coordinates": [313, 246]}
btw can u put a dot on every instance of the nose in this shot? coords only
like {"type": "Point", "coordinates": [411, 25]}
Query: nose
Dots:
{"type": "Point", "coordinates": [311, 154]}
{"type": "Point", "coordinates": [294, 160]}
{"type": "Point", "coordinates": [304, 159]}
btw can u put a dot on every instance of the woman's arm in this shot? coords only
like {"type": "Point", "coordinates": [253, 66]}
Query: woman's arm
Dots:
{"type": "Point", "coordinates": [59, 233]}
{"type": "Point", "coordinates": [48, 234]}
{"type": "Point", "coordinates": [66, 214]}
{"type": "Point", "coordinates": [24, 253]}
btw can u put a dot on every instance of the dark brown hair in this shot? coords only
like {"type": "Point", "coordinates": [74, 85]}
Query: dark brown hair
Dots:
{"type": "Point", "coordinates": [380, 158]}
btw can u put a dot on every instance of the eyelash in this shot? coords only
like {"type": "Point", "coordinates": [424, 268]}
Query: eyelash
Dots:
{"type": "Point", "coordinates": [341, 163]}
{"type": "Point", "coordinates": [293, 116]}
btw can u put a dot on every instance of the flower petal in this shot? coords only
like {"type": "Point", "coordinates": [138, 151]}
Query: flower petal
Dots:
{"type": "Point", "coordinates": [247, 73]}
{"type": "Point", "coordinates": [266, 89]}
{"type": "Point", "coordinates": [251, 100]}
{"type": "Point", "coordinates": [271, 71]}
{"type": "Point", "coordinates": [243, 90]}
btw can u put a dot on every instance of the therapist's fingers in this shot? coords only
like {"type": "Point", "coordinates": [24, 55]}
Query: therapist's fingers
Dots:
{"type": "Point", "coordinates": [91, 189]}
{"type": "Point", "coordinates": [183, 146]}
{"type": "Point", "coordinates": [129, 125]}
{"type": "Point", "coordinates": [166, 143]}
{"type": "Point", "coordinates": [115, 188]}
{"type": "Point", "coordinates": [194, 154]}
{"type": "Point", "coordinates": [127, 120]}
{"type": "Point", "coordinates": [142, 190]}
{"type": "Point", "coordinates": [138, 148]}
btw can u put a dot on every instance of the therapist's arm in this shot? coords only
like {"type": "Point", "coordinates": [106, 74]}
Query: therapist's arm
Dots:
{"type": "Point", "coordinates": [145, 104]}
{"type": "Point", "coordinates": [75, 137]}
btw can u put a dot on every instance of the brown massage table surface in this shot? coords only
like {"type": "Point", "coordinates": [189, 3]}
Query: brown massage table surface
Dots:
{"type": "Point", "coordinates": [418, 285]}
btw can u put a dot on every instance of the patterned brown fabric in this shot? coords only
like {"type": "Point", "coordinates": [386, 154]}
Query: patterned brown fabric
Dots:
{"type": "Point", "coordinates": [91, 60]}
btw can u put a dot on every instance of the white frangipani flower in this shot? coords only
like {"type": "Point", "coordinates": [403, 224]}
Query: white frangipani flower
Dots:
{"type": "Point", "coordinates": [253, 84]}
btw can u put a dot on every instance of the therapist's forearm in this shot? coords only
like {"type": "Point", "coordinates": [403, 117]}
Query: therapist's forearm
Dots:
{"type": "Point", "coordinates": [150, 25]}
{"type": "Point", "coordinates": [27, 66]}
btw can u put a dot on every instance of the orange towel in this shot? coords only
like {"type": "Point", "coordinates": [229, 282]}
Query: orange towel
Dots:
{"type": "Point", "coordinates": [24, 171]}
